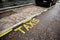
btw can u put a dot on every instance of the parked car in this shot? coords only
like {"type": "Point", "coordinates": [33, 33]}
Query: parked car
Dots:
{"type": "Point", "coordinates": [46, 3]}
{"type": "Point", "coordinates": [5, 4]}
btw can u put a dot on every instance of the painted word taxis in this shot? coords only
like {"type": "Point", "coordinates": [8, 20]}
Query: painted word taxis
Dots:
{"type": "Point", "coordinates": [27, 25]}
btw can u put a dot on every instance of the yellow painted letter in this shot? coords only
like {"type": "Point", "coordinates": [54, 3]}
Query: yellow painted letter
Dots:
{"type": "Point", "coordinates": [26, 26]}
{"type": "Point", "coordinates": [19, 28]}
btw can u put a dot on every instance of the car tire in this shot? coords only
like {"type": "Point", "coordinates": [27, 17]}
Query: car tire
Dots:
{"type": "Point", "coordinates": [50, 4]}
{"type": "Point", "coordinates": [54, 3]}
{"type": "Point", "coordinates": [36, 2]}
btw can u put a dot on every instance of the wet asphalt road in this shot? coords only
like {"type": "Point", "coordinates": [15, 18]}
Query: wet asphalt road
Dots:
{"type": "Point", "coordinates": [47, 29]}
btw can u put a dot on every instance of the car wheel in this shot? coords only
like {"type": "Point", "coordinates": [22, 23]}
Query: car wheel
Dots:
{"type": "Point", "coordinates": [54, 3]}
{"type": "Point", "coordinates": [36, 2]}
{"type": "Point", "coordinates": [50, 4]}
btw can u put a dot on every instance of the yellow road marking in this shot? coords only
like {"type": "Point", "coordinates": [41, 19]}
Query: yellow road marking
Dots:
{"type": "Point", "coordinates": [20, 29]}
{"type": "Point", "coordinates": [30, 23]}
{"type": "Point", "coordinates": [27, 20]}
{"type": "Point", "coordinates": [34, 20]}
{"type": "Point", "coordinates": [5, 32]}
{"type": "Point", "coordinates": [26, 27]}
